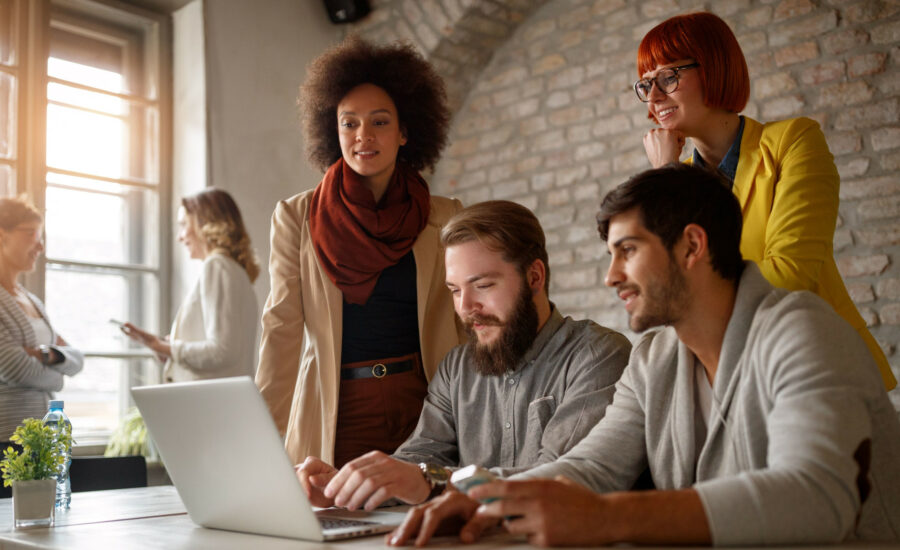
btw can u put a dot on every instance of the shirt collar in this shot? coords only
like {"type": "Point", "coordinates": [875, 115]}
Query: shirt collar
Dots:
{"type": "Point", "coordinates": [728, 166]}
{"type": "Point", "coordinates": [543, 336]}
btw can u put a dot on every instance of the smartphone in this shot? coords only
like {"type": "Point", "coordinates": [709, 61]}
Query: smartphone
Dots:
{"type": "Point", "coordinates": [470, 476]}
{"type": "Point", "coordinates": [118, 323]}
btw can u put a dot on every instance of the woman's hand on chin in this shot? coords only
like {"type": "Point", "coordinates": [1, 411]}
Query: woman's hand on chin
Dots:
{"type": "Point", "coordinates": [663, 146]}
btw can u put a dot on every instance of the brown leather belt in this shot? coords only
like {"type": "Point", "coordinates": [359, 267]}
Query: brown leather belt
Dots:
{"type": "Point", "coordinates": [377, 370]}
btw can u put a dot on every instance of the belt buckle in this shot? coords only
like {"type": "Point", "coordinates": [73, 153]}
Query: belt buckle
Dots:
{"type": "Point", "coordinates": [379, 370]}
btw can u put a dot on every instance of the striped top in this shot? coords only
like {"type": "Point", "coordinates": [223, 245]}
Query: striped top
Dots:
{"type": "Point", "coordinates": [25, 383]}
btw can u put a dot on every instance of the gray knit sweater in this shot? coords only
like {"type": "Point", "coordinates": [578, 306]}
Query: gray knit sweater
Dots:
{"type": "Point", "coordinates": [796, 398]}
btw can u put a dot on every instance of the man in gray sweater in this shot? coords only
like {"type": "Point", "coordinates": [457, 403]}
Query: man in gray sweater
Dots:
{"type": "Point", "coordinates": [525, 389]}
{"type": "Point", "coordinates": [759, 411]}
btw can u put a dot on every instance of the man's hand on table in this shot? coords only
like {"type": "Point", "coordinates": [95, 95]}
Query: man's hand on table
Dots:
{"type": "Point", "coordinates": [555, 512]}
{"type": "Point", "coordinates": [549, 512]}
{"type": "Point", "coordinates": [452, 512]}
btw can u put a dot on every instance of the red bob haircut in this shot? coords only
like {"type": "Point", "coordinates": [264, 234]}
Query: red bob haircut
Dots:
{"type": "Point", "coordinates": [708, 40]}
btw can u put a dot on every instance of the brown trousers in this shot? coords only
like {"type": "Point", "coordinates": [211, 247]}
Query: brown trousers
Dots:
{"type": "Point", "coordinates": [378, 413]}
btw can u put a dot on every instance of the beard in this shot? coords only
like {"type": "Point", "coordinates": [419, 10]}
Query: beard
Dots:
{"type": "Point", "coordinates": [516, 336]}
{"type": "Point", "coordinates": [664, 300]}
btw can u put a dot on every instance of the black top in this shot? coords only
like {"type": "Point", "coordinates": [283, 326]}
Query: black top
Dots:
{"type": "Point", "coordinates": [387, 325]}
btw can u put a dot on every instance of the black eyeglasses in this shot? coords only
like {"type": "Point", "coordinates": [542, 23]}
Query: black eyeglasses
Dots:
{"type": "Point", "coordinates": [666, 82]}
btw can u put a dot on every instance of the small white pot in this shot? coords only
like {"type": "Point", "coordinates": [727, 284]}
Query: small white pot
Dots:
{"type": "Point", "coordinates": [33, 503]}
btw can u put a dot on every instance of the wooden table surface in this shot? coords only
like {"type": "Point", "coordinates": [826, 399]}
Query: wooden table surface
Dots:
{"type": "Point", "coordinates": [155, 518]}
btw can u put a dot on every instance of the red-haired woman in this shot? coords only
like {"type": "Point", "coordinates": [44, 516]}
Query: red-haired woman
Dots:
{"type": "Point", "coordinates": [694, 80]}
{"type": "Point", "coordinates": [214, 332]}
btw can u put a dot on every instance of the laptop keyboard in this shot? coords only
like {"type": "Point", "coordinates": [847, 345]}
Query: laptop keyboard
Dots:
{"type": "Point", "coordinates": [334, 523]}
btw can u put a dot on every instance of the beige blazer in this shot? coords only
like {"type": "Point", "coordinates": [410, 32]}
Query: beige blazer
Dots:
{"type": "Point", "coordinates": [300, 350]}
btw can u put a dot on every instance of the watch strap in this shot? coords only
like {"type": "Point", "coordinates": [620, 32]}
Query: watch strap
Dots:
{"type": "Point", "coordinates": [45, 354]}
{"type": "Point", "coordinates": [436, 476]}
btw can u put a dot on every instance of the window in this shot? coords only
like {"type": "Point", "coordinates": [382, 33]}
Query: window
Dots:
{"type": "Point", "coordinates": [10, 75]}
{"type": "Point", "coordinates": [100, 184]}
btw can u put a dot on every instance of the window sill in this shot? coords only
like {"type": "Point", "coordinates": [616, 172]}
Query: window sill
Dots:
{"type": "Point", "coordinates": [89, 449]}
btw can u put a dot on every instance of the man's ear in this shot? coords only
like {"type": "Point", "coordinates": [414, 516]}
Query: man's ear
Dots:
{"type": "Point", "coordinates": [536, 275]}
{"type": "Point", "coordinates": [696, 245]}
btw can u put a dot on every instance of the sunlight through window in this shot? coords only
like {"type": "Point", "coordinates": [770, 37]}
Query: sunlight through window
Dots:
{"type": "Point", "coordinates": [102, 211]}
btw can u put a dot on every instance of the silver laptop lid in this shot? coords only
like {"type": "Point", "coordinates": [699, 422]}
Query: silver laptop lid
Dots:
{"type": "Point", "coordinates": [226, 458]}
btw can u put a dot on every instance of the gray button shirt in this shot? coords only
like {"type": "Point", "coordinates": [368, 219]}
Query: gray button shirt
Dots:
{"type": "Point", "coordinates": [527, 417]}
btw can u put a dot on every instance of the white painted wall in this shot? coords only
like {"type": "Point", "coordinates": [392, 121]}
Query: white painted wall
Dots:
{"type": "Point", "coordinates": [256, 55]}
{"type": "Point", "coordinates": [246, 60]}
{"type": "Point", "coordinates": [189, 169]}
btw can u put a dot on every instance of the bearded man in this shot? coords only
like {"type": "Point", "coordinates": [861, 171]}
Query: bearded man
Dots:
{"type": "Point", "coordinates": [760, 412]}
{"type": "Point", "coordinates": [526, 388]}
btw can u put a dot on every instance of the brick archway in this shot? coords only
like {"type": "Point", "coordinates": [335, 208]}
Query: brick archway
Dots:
{"type": "Point", "coordinates": [544, 115]}
{"type": "Point", "coordinates": [458, 36]}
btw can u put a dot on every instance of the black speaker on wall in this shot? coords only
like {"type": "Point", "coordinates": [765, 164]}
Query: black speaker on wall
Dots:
{"type": "Point", "coordinates": [346, 11]}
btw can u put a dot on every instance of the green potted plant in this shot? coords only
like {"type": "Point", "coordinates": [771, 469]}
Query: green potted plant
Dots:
{"type": "Point", "coordinates": [129, 437]}
{"type": "Point", "coordinates": [31, 472]}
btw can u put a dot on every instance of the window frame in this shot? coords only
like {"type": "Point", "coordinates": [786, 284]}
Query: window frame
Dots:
{"type": "Point", "coordinates": [35, 21]}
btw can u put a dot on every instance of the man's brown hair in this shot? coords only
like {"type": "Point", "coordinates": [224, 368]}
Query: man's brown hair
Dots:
{"type": "Point", "coordinates": [502, 226]}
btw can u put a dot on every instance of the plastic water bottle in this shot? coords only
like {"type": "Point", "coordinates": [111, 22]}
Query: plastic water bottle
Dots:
{"type": "Point", "coordinates": [56, 418]}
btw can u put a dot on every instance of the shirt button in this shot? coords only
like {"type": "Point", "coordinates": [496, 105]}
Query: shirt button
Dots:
{"type": "Point", "coordinates": [508, 425]}
{"type": "Point", "coordinates": [511, 381]}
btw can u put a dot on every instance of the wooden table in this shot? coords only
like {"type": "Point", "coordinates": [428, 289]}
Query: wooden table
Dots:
{"type": "Point", "coordinates": [155, 518]}
{"type": "Point", "coordinates": [148, 518]}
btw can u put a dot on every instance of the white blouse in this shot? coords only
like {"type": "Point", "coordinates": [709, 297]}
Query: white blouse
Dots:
{"type": "Point", "coordinates": [214, 332]}
{"type": "Point", "coordinates": [42, 333]}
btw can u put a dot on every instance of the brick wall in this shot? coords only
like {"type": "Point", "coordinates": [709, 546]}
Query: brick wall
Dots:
{"type": "Point", "coordinates": [458, 36]}
{"type": "Point", "coordinates": [546, 117]}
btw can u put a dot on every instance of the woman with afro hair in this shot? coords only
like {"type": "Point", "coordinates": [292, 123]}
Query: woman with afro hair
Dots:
{"type": "Point", "coordinates": [358, 316]}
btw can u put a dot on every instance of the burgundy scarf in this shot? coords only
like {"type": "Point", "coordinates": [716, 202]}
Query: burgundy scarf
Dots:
{"type": "Point", "coordinates": [354, 238]}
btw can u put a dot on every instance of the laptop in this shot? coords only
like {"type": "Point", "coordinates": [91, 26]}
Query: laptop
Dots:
{"type": "Point", "coordinates": [228, 463]}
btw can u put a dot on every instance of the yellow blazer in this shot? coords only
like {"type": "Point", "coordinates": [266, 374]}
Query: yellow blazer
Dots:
{"type": "Point", "coordinates": [788, 187]}
{"type": "Point", "coordinates": [300, 350]}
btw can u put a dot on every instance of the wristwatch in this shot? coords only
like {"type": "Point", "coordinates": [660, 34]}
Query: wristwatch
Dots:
{"type": "Point", "coordinates": [436, 476]}
{"type": "Point", "coordinates": [45, 354]}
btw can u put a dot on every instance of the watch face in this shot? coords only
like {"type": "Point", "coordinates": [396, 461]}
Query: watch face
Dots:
{"type": "Point", "coordinates": [438, 474]}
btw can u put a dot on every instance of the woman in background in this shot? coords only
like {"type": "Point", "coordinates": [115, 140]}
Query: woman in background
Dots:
{"type": "Point", "coordinates": [694, 80]}
{"type": "Point", "coordinates": [33, 357]}
{"type": "Point", "coordinates": [214, 332]}
{"type": "Point", "coordinates": [359, 315]}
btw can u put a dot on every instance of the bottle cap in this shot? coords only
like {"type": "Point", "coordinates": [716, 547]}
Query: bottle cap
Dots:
{"type": "Point", "coordinates": [57, 404]}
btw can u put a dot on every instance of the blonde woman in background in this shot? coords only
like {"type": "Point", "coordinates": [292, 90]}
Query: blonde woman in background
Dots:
{"type": "Point", "coordinates": [214, 332]}
{"type": "Point", "coordinates": [33, 357]}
